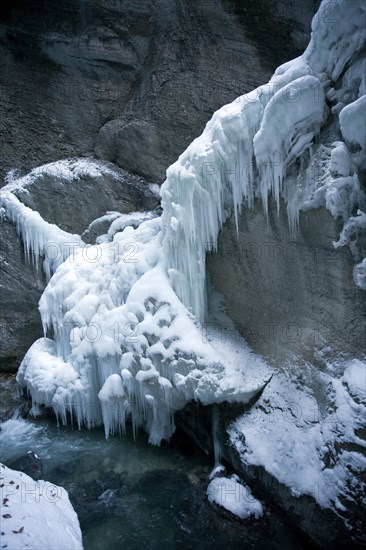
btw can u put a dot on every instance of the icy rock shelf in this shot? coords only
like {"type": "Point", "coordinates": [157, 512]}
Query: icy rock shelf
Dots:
{"type": "Point", "coordinates": [127, 315]}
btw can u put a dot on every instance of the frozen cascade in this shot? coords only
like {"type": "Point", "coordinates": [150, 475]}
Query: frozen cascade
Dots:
{"type": "Point", "coordinates": [126, 315]}
{"type": "Point", "coordinates": [39, 237]}
{"type": "Point", "coordinates": [250, 145]}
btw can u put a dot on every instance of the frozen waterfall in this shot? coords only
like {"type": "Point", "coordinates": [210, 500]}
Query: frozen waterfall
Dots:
{"type": "Point", "coordinates": [124, 319]}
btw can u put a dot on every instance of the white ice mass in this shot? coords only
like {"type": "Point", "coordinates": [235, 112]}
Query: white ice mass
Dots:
{"type": "Point", "coordinates": [124, 319]}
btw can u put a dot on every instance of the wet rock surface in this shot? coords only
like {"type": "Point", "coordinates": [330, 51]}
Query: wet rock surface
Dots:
{"type": "Point", "coordinates": [21, 287]}
{"type": "Point", "coordinates": [10, 396]}
{"type": "Point", "coordinates": [30, 464]}
{"type": "Point", "coordinates": [165, 505]}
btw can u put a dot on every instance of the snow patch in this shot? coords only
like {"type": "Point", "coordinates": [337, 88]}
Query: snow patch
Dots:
{"type": "Point", "coordinates": [304, 444]}
{"type": "Point", "coordinates": [235, 497]}
{"type": "Point", "coordinates": [36, 514]}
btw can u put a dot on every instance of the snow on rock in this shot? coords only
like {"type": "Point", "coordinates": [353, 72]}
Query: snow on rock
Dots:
{"type": "Point", "coordinates": [353, 228]}
{"type": "Point", "coordinates": [36, 514]}
{"type": "Point", "coordinates": [304, 445]}
{"type": "Point", "coordinates": [355, 377]}
{"type": "Point", "coordinates": [352, 122]}
{"type": "Point", "coordinates": [133, 219]}
{"type": "Point", "coordinates": [67, 169]}
{"type": "Point", "coordinates": [338, 33]}
{"type": "Point", "coordinates": [294, 117]}
{"type": "Point", "coordinates": [359, 274]}
{"type": "Point", "coordinates": [116, 222]}
{"type": "Point", "coordinates": [235, 497]}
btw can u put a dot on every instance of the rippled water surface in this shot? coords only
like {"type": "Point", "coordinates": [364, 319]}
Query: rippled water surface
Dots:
{"type": "Point", "coordinates": [132, 496]}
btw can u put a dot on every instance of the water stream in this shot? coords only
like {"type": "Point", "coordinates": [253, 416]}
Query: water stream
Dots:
{"type": "Point", "coordinates": [130, 495]}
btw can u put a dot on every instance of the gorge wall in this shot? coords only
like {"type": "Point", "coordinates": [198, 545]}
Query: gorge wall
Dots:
{"type": "Point", "coordinates": [132, 82]}
{"type": "Point", "coordinates": [290, 295]}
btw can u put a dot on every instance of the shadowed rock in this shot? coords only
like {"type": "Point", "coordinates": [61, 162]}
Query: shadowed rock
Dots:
{"type": "Point", "coordinates": [30, 464]}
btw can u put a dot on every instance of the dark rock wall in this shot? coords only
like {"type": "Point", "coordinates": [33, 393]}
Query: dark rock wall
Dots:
{"type": "Point", "coordinates": [289, 295]}
{"type": "Point", "coordinates": [132, 81]}
{"type": "Point", "coordinates": [21, 287]}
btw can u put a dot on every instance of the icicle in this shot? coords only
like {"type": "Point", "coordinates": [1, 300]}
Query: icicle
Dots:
{"type": "Point", "coordinates": [216, 434]}
{"type": "Point", "coordinates": [39, 237]}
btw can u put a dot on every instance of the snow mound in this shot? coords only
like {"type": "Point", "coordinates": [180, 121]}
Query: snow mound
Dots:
{"type": "Point", "coordinates": [36, 514]}
{"type": "Point", "coordinates": [235, 497]}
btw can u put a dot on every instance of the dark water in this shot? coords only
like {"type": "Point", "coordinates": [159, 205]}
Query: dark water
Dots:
{"type": "Point", "coordinates": [131, 496]}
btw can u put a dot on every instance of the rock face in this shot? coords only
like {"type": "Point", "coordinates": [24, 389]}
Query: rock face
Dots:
{"type": "Point", "coordinates": [133, 82]}
{"type": "Point", "coordinates": [289, 295]}
{"type": "Point", "coordinates": [21, 288]}
{"type": "Point", "coordinates": [30, 464]}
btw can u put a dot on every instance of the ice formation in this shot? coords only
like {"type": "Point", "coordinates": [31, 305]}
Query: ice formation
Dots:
{"type": "Point", "coordinates": [124, 319]}
{"type": "Point", "coordinates": [123, 345]}
{"type": "Point", "coordinates": [36, 514]}
{"type": "Point", "coordinates": [235, 497]}
{"type": "Point", "coordinates": [39, 237]}
{"type": "Point", "coordinates": [250, 145]}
